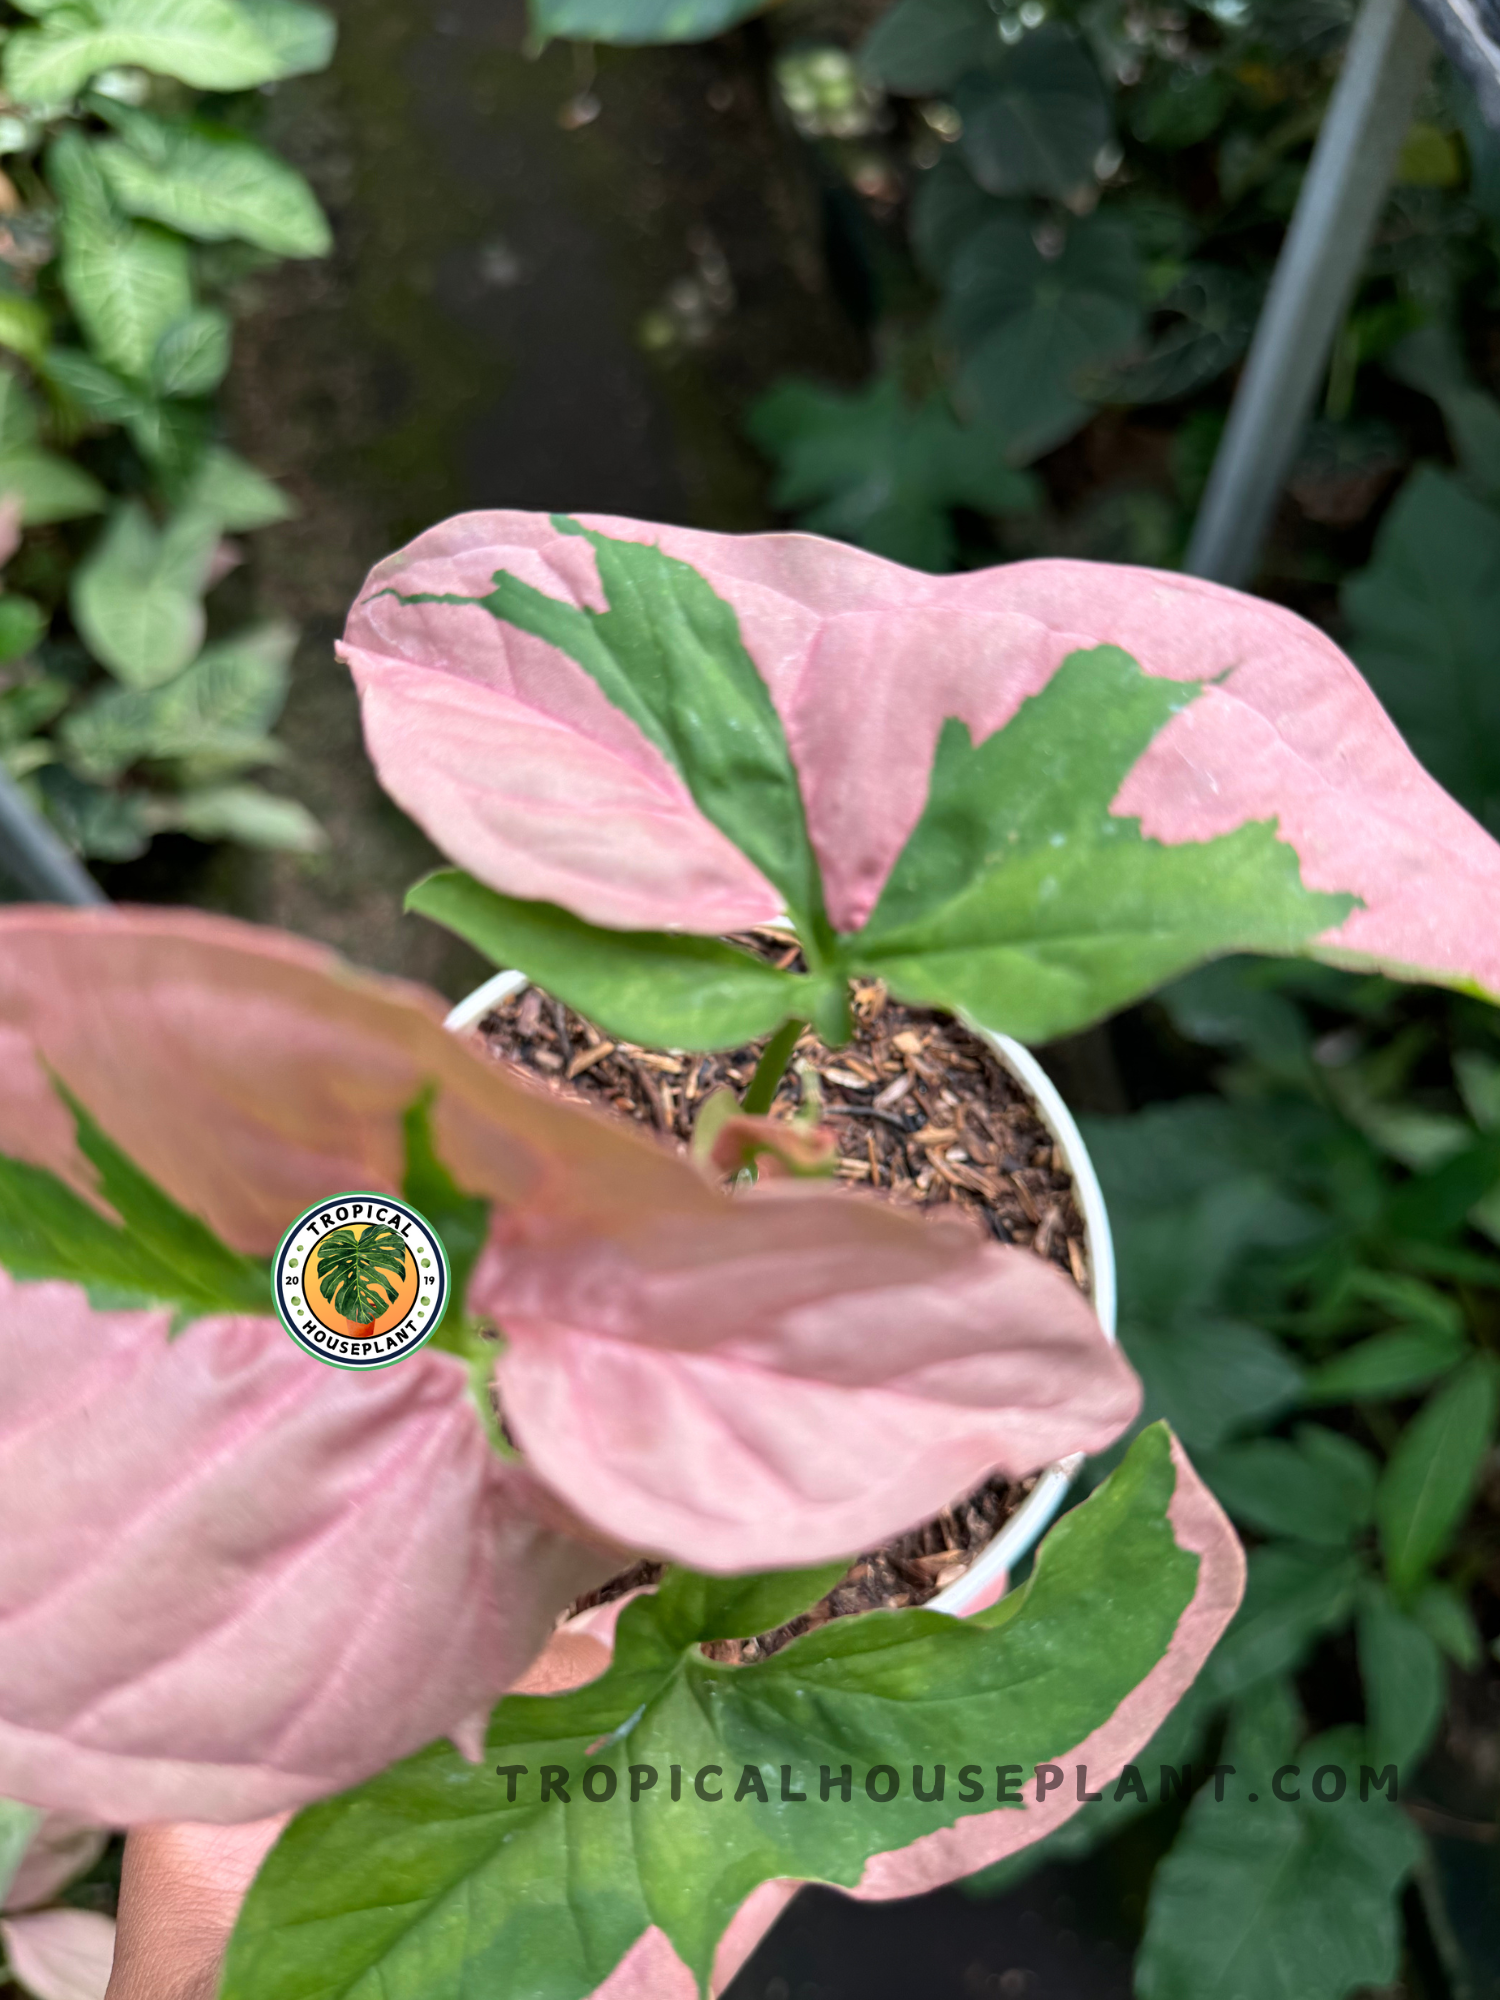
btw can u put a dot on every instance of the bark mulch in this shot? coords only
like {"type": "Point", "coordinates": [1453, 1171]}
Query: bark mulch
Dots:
{"type": "Point", "coordinates": [923, 1113]}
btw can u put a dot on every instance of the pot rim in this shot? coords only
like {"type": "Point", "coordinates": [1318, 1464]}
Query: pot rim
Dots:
{"type": "Point", "coordinates": [985, 1579]}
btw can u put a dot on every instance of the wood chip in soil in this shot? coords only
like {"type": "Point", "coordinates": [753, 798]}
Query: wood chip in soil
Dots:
{"type": "Point", "coordinates": [924, 1115]}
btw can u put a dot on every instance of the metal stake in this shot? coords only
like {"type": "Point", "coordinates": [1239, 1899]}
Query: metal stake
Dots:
{"type": "Point", "coordinates": [1352, 164]}
{"type": "Point", "coordinates": [41, 866]}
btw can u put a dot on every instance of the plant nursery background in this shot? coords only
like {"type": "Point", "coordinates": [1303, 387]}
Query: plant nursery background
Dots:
{"type": "Point", "coordinates": [961, 282]}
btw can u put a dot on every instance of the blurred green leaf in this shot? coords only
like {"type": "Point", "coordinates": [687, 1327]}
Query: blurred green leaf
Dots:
{"type": "Point", "coordinates": [137, 598]}
{"type": "Point", "coordinates": [1279, 1901]}
{"type": "Point", "coordinates": [1387, 1364]}
{"type": "Point", "coordinates": [1036, 118]}
{"type": "Point", "coordinates": [1404, 1680]}
{"type": "Point", "coordinates": [1424, 616]}
{"type": "Point", "coordinates": [214, 44]}
{"type": "Point", "coordinates": [1030, 325]}
{"type": "Point", "coordinates": [1445, 1613]}
{"type": "Point", "coordinates": [219, 708]}
{"type": "Point", "coordinates": [192, 356]}
{"type": "Point", "coordinates": [209, 183]}
{"type": "Point", "coordinates": [242, 498]}
{"type": "Point", "coordinates": [876, 469]}
{"type": "Point", "coordinates": [22, 624]}
{"type": "Point", "coordinates": [1425, 1489]}
{"type": "Point", "coordinates": [127, 282]}
{"type": "Point", "coordinates": [920, 47]}
{"type": "Point", "coordinates": [48, 486]}
{"type": "Point", "coordinates": [637, 23]}
{"type": "Point", "coordinates": [1318, 1488]}
{"type": "Point", "coordinates": [244, 813]}
{"type": "Point", "coordinates": [1294, 1595]}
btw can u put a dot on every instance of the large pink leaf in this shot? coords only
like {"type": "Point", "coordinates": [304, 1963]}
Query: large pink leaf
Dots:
{"type": "Point", "coordinates": [233, 1578]}
{"type": "Point", "coordinates": [798, 1377]}
{"type": "Point", "coordinates": [864, 660]}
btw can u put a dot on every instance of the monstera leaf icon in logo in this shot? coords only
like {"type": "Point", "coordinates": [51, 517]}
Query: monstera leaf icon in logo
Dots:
{"type": "Point", "coordinates": [361, 1280]}
{"type": "Point", "coordinates": [361, 1271]}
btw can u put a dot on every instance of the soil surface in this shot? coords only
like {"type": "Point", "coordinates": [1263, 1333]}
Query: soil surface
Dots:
{"type": "Point", "coordinates": [921, 1108]}
{"type": "Point", "coordinates": [923, 1112]}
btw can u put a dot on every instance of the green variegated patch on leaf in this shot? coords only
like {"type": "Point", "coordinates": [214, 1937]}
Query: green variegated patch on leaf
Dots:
{"type": "Point", "coordinates": [357, 1895]}
{"type": "Point", "coordinates": [155, 1254]}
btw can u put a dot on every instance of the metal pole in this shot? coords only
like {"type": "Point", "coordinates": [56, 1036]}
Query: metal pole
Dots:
{"type": "Point", "coordinates": [41, 866]}
{"type": "Point", "coordinates": [1352, 164]}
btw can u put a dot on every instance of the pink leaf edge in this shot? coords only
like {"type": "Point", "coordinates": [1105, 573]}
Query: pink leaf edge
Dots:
{"type": "Point", "coordinates": [652, 1970]}
{"type": "Point", "coordinates": [590, 815]}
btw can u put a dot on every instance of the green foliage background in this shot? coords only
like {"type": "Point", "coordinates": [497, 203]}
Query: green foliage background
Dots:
{"type": "Point", "coordinates": [135, 201]}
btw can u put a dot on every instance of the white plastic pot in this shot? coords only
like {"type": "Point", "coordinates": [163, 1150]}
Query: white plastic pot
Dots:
{"type": "Point", "coordinates": [1020, 1534]}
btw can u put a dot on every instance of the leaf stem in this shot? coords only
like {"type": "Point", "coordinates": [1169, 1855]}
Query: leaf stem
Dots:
{"type": "Point", "coordinates": [772, 1067]}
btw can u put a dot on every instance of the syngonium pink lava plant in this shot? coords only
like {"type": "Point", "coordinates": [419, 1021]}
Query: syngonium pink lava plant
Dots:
{"type": "Point", "coordinates": [1027, 795]}
{"type": "Point", "coordinates": [234, 1580]}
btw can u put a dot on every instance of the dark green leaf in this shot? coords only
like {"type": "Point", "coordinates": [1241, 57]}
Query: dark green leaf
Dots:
{"type": "Point", "coordinates": [1210, 1376]}
{"type": "Point", "coordinates": [1425, 1490]}
{"type": "Point", "coordinates": [1032, 326]}
{"type": "Point", "coordinates": [1279, 1901]}
{"type": "Point", "coordinates": [650, 987]}
{"type": "Point", "coordinates": [1442, 1611]}
{"type": "Point", "coordinates": [1320, 1488]}
{"type": "Point", "coordinates": [1293, 1596]}
{"type": "Point", "coordinates": [876, 469]}
{"type": "Point", "coordinates": [924, 46]}
{"type": "Point", "coordinates": [1424, 616]}
{"type": "Point", "coordinates": [949, 206]}
{"type": "Point", "coordinates": [1035, 122]}
{"type": "Point", "coordinates": [1404, 1680]}
{"type": "Point", "coordinates": [360, 1891]}
{"type": "Point", "coordinates": [1387, 1364]}
{"type": "Point", "coordinates": [1023, 903]}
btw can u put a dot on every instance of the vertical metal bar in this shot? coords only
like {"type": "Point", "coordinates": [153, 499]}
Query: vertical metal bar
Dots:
{"type": "Point", "coordinates": [41, 866]}
{"type": "Point", "coordinates": [1340, 203]}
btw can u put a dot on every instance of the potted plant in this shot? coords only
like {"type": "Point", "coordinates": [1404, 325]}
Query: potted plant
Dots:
{"type": "Point", "coordinates": [1025, 796]}
{"type": "Point", "coordinates": [237, 1581]}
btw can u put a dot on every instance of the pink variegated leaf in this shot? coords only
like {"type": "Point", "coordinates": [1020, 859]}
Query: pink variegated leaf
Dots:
{"type": "Point", "coordinates": [667, 1891]}
{"type": "Point", "coordinates": [234, 1578]}
{"type": "Point", "coordinates": [1028, 793]}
